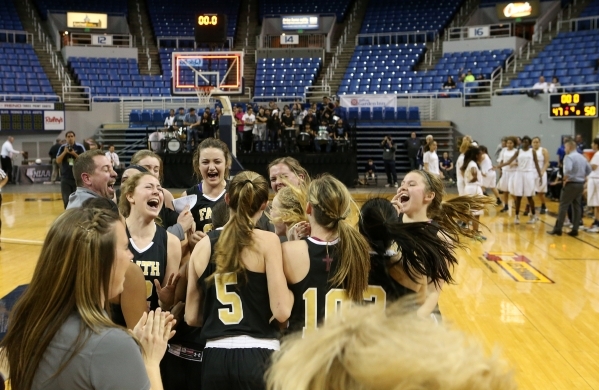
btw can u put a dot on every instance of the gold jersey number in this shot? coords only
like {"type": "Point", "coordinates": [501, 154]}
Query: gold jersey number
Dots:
{"type": "Point", "coordinates": [335, 300]}
{"type": "Point", "coordinates": [234, 314]}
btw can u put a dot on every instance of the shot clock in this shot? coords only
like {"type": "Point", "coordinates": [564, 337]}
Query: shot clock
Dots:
{"type": "Point", "coordinates": [573, 105]}
{"type": "Point", "coordinates": [211, 28]}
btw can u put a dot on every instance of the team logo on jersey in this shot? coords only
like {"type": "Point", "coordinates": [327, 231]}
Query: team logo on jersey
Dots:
{"type": "Point", "coordinates": [518, 267]}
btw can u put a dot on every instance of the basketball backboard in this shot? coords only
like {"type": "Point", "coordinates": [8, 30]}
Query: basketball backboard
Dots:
{"type": "Point", "coordinates": [222, 70]}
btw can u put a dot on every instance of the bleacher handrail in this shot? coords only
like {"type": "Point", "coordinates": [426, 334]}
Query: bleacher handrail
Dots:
{"type": "Point", "coordinates": [184, 38]}
{"type": "Point", "coordinates": [545, 21]}
{"type": "Point", "coordinates": [119, 40]}
{"type": "Point", "coordinates": [409, 34]}
{"type": "Point", "coordinates": [567, 88]}
{"type": "Point", "coordinates": [573, 24]}
{"type": "Point", "coordinates": [76, 96]}
{"type": "Point", "coordinates": [332, 66]}
{"type": "Point", "coordinates": [279, 99]}
{"type": "Point", "coordinates": [6, 97]}
{"type": "Point", "coordinates": [15, 33]}
{"type": "Point", "coordinates": [498, 30]}
{"type": "Point", "coordinates": [481, 92]}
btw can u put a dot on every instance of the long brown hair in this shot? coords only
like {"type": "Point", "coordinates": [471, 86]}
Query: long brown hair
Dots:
{"type": "Point", "coordinates": [72, 273]}
{"type": "Point", "coordinates": [294, 166]}
{"type": "Point", "coordinates": [331, 204]}
{"type": "Point", "coordinates": [211, 143]}
{"type": "Point", "coordinates": [128, 188]}
{"type": "Point", "coordinates": [248, 191]}
{"type": "Point", "coordinates": [448, 213]}
{"type": "Point", "coordinates": [137, 157]}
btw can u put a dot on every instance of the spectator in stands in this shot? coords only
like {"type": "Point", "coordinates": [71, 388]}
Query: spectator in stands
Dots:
{"type": "Point", "coordinates": [340, 134]}
{"type": "Point", "coordinates": [218, 112]}
{"type": "Point", "coordinates": [297, 113]}
{"type": "Point", "coordinates": [261, 131]}
{"type": "Point", "coordinates": [113, 157]}
{"type": "Point", "coordinates": [323, 137]}
{"type": "Point", "coordinates": [449, 84]}
{"type": "Point", "coordinates": [446, 165]}
{"type": "Point", "coordinates": [53, 153]}
{"type": "Point", "coordinates": [7, 154]}
{"type": "Point", "coordinates": [554, 86]}
{"type": "Point", "coordinates": [389, 161]}
{"type": "Point", "coordinates": [193, 127]}
{"type": "Point", "coordinates": [67, 154]}
{"type": "Point", "coordinates": [169, 121]}
{"type": "Point", "coordinates": [94, 176]}
{"type": "Point", "coordinates": [413, 146]}
{"type": "Point", "coordinates": [469, 77]}
{"type": "Point", "coordinates": [90, 144]}
{"type": "Point", "coordinates": [238, 116]}
{"type": "Point", "coordinates": [206, 124]}
{"type": "Point", "coordinates": [370, 170]}
{"type": "Point", "coordinates": [580, 146]}
{"type": "Point", "coordinates": [273, 125]}
{"type": "Point", "coordinates": [539, 87]}
{"type": "Point", "coordinates": [180, 118]}
{"type": "Point", "coordinates": [289, 132]}
{"type": "Point", "coordinates": [249, 120]}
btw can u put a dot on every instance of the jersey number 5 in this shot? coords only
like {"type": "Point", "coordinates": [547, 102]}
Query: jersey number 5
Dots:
{"type": "Point", "coordinates": [335, 300]}
{"type": "Point", "coordinates": [233, 315]}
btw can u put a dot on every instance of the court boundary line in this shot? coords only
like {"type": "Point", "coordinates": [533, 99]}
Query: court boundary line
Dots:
{"type": "Point", "coordinates": [6, 240]}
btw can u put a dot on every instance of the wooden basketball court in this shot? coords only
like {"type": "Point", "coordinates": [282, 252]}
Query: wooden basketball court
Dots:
{"type": "Point", "coordinates": [533, 296]}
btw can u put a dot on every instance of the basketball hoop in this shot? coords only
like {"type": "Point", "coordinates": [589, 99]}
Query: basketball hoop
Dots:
{"type": "Point", "coordinates": [204, 92]}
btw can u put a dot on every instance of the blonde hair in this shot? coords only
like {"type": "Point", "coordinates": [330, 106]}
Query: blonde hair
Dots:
{"type": "Point", "coordinates": [72, 273]}
{"type": "Point", "coordinates": [140, 155]}
{"type": "Point", "coordinates": [248, 191]}
{"type": "Point", "coordinates": [294, 166]}
{"type": "Point", "coordinates": [364, 348]}
{"type": "Point", "coordinates": [331, 203]}
{"type": "Point", "coordinates": [293, 202]}
{"type": "Point", "coordinates": [465, 144]}
{"type": "Point", "coordinates": [128, 188]}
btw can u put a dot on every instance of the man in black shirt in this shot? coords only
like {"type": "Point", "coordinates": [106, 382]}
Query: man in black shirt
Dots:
{"type": "Point", "coordinates": [53, 153]}
{"type": "Point", "coordinates": [66, 155]}
{"type": "Point", "coordinates": [289, 130]}
{"type": "Point", "coordinates": [413, 145]}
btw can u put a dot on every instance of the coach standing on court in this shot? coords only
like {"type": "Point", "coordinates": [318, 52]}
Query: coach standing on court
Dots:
{"type": "Point", "coordinates": [6, 158]}
{"type": "Point", "coordinates": [576, 169]}
{"type": "Point", "coordinates": [413, 146]}
{"type": "Point", "coordinates": [67, 154]}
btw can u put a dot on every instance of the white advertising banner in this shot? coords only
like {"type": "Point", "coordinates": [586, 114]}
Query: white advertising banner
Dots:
{"type": "Point", "coordinates": [369, 101]}
{"type": "Point", "coordinates": [102, 40]}
{"type": "Point", "coordinates": [87, 20]}
{"type": "Point", "coordinates": [27, 106]}
{"type": "Point", "coordinates": [53, 120]}
{"type": "Point", "coordinates": [479, 32]}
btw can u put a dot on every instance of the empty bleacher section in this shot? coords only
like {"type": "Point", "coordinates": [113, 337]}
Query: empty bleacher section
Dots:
{"type": "Point", "coordinates": [591, 10]}
{"type": "Point", "coordinates": [285, 77]}
{"type": "Point", "coordinates": [493, 3]}
{"type": "Point", "coordinates": [22, 74]}
{"type": "Point", "coordinates": [176, 18]}
{"type": "Point", "coordinates": [9, 19]}
{"type": "Point", "coordinates": [105, 6]}
{"type": "Point", "coordinates": [572, 57]}
{"type": "Point", "coordinates": [112, 77]}
{"type": "Point", "coordinates": [386, 69]}
{"type": "Point", "coordinates": [278, 7]}
{"type": "Point", "coordinates": [398, 16]}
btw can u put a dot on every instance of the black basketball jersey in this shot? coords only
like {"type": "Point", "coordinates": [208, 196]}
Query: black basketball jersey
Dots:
{"type": "Point", "coordinates": [234, 306]}
{"type": "Point", "coordinates": [312, 299]}
{"type": "Point", "coordinates": [379, 276]}
{"type": "Point", "coordinates": [152, 261]}
{"type": "Point", "coordinates": [202, 211]}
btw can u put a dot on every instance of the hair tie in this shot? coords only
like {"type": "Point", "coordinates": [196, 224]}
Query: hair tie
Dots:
{"type": "Point", "coordinates": [248, 181]}
{"type": "Point", "coordinates": [339, 219]}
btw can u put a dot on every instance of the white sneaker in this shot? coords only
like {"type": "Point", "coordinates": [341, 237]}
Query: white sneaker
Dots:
{"type": "Point", "coordinates": [396, 185]}
{"type": "Point", "coordinates": [532, 219]}
{"type": "Point", "coordinates": [568, 224]}
{"type": "Point", "coordinates": [517, 220]}
{"type": "Point", "coordinates": [594, 229]}
{"type": "Point", "coordinates": [387, 185]}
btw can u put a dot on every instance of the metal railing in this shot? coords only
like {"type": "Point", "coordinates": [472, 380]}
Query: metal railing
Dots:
{"type": "Point", "coordinates": [546, 21]}
{"type": "Point", "coordinates": [305, 40]}
{"type": "Point", "coordinates": [334, 63]}
{"type": "Point", "coordinates": [10, 97]}
{"type": "Point", "coordinates": [317, 91]}
{"type": "Point", "coordinates": [11, 36]}
{"type": "Point", "coordinates": [191, 42]}
{"type": "Point", "coordinates": [76, 96]}
{"type": "Point", "coordinates": [495, 31]}
{"type": "Point", "coordinates": [279, 99]}
{"type": "Point", "coordinates": [85, 39]}
{"type": "Point", "coordinates": [479, 91]}
{"type": "Point", "coordinates": [560, 88]}
{"type": "Point", "coordinates": [578, 24]}
{"type": "Point", "coordinates": [399, 37]}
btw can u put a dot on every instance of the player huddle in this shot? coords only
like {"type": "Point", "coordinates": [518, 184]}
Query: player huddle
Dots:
{"type": "Point", "coordinates": [246, 279]}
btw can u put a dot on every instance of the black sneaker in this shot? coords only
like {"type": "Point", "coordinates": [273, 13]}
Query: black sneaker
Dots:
{"type": "Point", "coordinates": [498, 203]}
{"type": "Point", "coordinates": [543, 210]}
{"type": "Point", "coordinates": [504, 209]}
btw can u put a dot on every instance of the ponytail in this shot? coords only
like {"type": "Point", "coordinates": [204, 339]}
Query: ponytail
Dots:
{"type": "Point", "coordinates": [459, 209]}
{"type": "Point", "coordinates": [354, 261]}
{"type": "Point", "coordinates": [248, 192]}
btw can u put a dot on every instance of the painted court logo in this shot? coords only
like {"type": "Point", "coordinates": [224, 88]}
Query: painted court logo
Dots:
{"type": "Point", "coordinates": [518, 267]}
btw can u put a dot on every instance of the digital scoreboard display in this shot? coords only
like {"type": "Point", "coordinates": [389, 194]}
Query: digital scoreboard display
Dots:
{"type": "Point", "coordinates": [573, 105]}
{"type": "Point", "coordinates": [211, 28]}
{"type": "Point", "coordinates": [31, 117]}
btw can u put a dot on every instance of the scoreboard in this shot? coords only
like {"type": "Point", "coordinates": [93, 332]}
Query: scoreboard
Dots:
{"type": "Point", "coordinates": [573, 105]}
{"type": "Point", "coordinates": [31, 117]}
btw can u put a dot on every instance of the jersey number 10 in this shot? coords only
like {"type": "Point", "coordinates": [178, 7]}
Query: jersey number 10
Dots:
{"type": "Point", "coordinates": [335, 300]}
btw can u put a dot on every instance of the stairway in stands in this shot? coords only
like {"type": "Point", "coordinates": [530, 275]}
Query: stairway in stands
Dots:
{"type": "Point", "coordinates": [38, 46]}
{"type": "Point", "coordinates": [368, 143]}
{"type": "Point", "coordinates": [245, 40]}
{"type": "Point", "coordinates": [136, 10]}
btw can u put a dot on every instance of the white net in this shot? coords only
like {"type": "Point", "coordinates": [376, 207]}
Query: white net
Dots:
{"type": "Point", "coordinates": [204, 94]}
